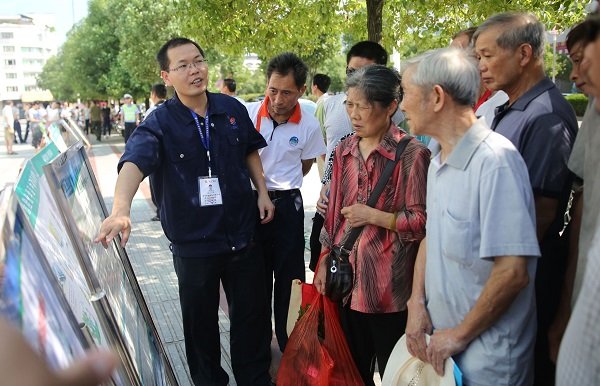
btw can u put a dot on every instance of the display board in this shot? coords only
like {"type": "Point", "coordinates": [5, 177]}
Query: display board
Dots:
{"type": "Point", "coordinates": [30, 295]}
{"type": "Point", "coordinates": [75, 130]}
{"type": "Point", "coordinates": [75, 189]}
{"type": "Point", "coordinates": [59, 136]}
{"type": "Point", "coordinates": [64, 134]}
{"type": "Point", "coordinates": [43, 214]}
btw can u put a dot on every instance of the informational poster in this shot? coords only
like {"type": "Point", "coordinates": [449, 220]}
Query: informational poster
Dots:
{"type": "Point", "coordinates": [74, 186]}
{"type": "Point", "coordinates": [30, 294]}
{"type": "Point", "coordinates": [38, 204]}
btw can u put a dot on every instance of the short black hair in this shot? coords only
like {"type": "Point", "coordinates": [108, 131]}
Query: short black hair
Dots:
{"type": "Point", "coordinates": [230, 84]}
{"type": "Point", "coordinates": [584, 32]}
{"type": "Point", "coordinates": [160, 90]}
{"type": "Point", "coordinates": [163, 59]}
{"type": "Point", "coordinates": [288, 62]}
{"type": "Point", "coordinates": [322, 82]}
{"type": "Point", "coordinates": [469, 32]}
{"type": "Point", "coordinates": [370, 50]}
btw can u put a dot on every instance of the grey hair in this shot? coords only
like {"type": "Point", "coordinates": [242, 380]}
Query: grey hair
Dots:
{"type": "Point", "coordinates": [453, 69]}
{"type": "Point", "coordinates": [379, 84]}
{"type": "Point", "coordinates": [519, 28]}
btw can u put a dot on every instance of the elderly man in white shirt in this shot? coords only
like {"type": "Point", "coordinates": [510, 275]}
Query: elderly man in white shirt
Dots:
{"type": "Point", "coordinates": [473, 283]}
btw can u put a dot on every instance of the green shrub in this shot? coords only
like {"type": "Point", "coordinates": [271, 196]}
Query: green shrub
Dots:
{"type": "Point", "coordinates": [579, 103]}
{"type": "Point", "coordinates": [252, 97]}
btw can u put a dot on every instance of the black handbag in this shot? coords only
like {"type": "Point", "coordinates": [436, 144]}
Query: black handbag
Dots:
{"type": "Point", "coordinates": [339, 278]}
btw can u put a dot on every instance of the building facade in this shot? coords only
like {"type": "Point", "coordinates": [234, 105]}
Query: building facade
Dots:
{"type": "Point", "coordinates": [26, 43]}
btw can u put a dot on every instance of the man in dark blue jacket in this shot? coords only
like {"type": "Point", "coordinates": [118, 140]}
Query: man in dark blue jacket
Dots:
{"type": "Point", "coordinates": [202, 150]}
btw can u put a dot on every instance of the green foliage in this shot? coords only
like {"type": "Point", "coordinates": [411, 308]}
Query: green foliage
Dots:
{"type": "Point", "coordinates": [415, 26]}
{"type": "Point", "coordinates": [112, 51]}
{"type": "Point", "coordinates": [251, 97]}
{"type": "Point", "coordinates": [579, 103]}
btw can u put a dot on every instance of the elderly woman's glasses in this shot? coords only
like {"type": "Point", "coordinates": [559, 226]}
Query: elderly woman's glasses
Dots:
{"type": "Point", "coordinates": [350, 106]}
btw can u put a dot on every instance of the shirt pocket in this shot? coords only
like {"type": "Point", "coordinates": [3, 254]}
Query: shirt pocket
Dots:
{"type": "Point", "coordinates": [181, 155]}
{"type": "Point", "coordinates": [456, 239]}
{"type": "Point", "coordinates": [181, 170]}
{"type": "Point", "coordinates": [234, 151]}
{"type": "Point", "coordinates": [184, 166]}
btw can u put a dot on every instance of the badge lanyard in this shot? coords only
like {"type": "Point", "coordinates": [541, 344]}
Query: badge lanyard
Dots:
{"type": "Point", "coordinates": [204, 137]}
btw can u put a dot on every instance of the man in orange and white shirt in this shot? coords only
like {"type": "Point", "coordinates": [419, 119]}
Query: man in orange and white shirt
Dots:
{"type": "Point", "coordinates": [294, 141]}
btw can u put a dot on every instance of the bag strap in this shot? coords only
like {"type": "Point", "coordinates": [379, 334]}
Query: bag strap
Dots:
{"type": "Point", "coordinates": [383, 179]}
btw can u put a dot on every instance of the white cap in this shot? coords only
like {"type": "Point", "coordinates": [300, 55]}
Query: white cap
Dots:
{"type": "Point", "coordinates": [127, 96]}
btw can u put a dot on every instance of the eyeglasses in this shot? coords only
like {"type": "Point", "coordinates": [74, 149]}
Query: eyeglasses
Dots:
{"type": "Point", "coordinates": [195, 64]}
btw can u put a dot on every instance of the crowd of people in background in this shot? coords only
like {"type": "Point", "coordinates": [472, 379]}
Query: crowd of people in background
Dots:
{"type": "Point", "coordinates": [96, 118]}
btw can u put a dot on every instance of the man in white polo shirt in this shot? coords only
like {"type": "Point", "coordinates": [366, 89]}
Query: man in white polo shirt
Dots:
{"type": "Point", "coordinates": [294, 141]}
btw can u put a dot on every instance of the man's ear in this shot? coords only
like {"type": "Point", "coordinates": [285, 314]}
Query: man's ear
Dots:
{"type": "Point", "coordinates": [525, 52]}
{"type": "Point", "coordinates": [165, 77]}
{"type": "Point", "coordinates": [438, 97]}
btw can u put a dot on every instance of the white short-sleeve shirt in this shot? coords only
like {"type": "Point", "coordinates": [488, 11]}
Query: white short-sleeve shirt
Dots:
{"type": "Point", "coordinates": [287, 145]}
{"type": "Point", "coordinates": [479, 206]}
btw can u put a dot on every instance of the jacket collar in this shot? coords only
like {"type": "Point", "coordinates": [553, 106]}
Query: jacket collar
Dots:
{"type": "Point", "coordinates": [263, 112]}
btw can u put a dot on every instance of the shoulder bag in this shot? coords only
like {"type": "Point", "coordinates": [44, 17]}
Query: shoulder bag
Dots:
{"type": "Point", "coordinates": [339, 275]}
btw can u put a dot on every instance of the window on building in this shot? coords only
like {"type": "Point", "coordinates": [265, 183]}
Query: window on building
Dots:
{"type": "Point", "coordinates": [28, 62]}
{"type": "Point", "coordinates": [30, 75]}
{"type": "Point", "coordinates": [11, 75]}
{"type": "Point", "coordinates": [7, 35]}
{"type": "Point", "coordinates": [37, 50]}
{"type": "Point", "coordinates": [12, 89]}
{"type": "Point", "coordinates": [31, 88]}
{"type": "Point", "coordinates": [9, 49]}
{"type": "Point", "coordinates": [10, 62]}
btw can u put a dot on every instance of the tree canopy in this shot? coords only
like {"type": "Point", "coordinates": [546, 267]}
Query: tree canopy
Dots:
{"type": "Point", "coordinates": [112, 50]}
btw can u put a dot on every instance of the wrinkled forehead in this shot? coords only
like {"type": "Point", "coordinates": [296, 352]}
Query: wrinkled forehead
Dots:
{"type": "Point", "coordinates": [488, 38]}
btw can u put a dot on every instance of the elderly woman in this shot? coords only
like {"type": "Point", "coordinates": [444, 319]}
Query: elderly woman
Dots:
{"type": "Point", "coordinates": [374, 314]}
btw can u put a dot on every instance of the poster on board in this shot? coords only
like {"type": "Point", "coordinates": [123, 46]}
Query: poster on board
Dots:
{"type": "Point", "coordinates": [38, 204]}
{"type": "Point", "coordinates": [43, 216]}
{"type": "Point", "coordinates": [30, 295]}
{"type": "Point", "coordinates": [76, 191]}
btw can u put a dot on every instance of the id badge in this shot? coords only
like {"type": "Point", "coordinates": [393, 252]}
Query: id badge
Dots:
{"type": "Point", "coordinates": [210, 191]}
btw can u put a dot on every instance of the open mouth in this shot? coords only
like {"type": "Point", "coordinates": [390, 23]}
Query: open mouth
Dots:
{"type": "Point", "coordinates": [197, 81]}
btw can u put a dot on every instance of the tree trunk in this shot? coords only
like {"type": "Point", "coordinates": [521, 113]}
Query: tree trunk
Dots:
{"type": "Point", "coordinates": [375, 19]}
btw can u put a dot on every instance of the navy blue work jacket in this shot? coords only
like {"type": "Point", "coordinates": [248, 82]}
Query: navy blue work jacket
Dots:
{"type": "Point", "coordinates": [167, 144]}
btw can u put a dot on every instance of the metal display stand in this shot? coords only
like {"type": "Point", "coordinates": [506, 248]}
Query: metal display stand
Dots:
{"type": "Point", "coordinates": [31, 292]}
{"type": "Point", "coordinates": [108, 272]}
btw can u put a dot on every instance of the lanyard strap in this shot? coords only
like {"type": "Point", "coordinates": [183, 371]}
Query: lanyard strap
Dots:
{"type": "Point", "coordinates": [204, 137]}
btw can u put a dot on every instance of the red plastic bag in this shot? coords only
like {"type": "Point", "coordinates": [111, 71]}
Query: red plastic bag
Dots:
{"type": "Point", "coordinates": [317, 353]}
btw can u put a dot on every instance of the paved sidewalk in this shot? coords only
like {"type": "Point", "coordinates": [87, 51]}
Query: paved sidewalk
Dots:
{"type": "Point", "coordinates": [148, 250]}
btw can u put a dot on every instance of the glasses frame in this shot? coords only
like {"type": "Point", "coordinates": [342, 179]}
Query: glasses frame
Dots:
{"type": "Point", "coordinates": [186, 67]}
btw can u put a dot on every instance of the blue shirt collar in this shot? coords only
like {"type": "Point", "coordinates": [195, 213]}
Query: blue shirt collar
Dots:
{"type": "Point", "coordinates": [463, 151]}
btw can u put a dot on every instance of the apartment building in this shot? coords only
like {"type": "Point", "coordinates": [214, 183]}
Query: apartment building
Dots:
{"type": "Point", "coordinates": [26, 43]}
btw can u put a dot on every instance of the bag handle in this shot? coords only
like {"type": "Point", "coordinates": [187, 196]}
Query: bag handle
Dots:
{"type": "Point", "coordinates": [383, 179]}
